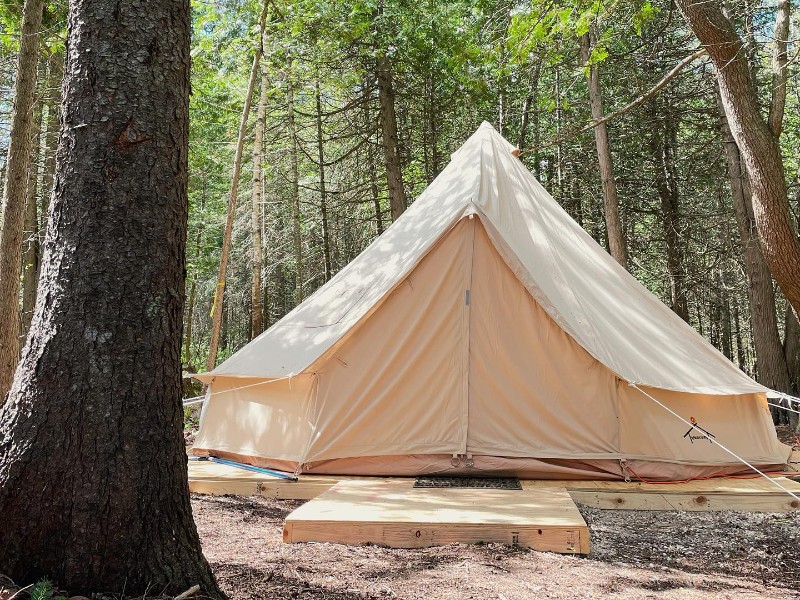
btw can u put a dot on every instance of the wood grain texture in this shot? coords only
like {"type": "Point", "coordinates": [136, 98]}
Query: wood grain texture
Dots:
{"type": "Point", "coordinates": [393, 513]}
{"type": "Point", "coordinates": [701, 495]}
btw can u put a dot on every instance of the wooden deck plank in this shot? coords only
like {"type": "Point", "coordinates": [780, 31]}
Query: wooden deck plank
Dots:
{"type": "Point", "coordinates": [393, 513]}
{"type": "Point", "coordinates": [709, 494]}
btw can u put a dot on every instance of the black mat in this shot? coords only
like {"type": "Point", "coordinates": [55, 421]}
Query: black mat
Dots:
{"type": "Point", "coordinates": [480, 483]}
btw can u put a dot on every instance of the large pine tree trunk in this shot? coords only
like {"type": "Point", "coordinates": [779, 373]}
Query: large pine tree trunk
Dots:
{"type": "Point", "coordinates": [770, 360]}
{"type": "Point", "coordinates": [391, 154]}
{"type": "Point", "coordinates": [93, 479]}
{"type": "Point", "coordinates": [757, 143]}
{"type": "Point", "coordinates": [614, 229]}
{"type": "Point", "coordinates": [14, 188]}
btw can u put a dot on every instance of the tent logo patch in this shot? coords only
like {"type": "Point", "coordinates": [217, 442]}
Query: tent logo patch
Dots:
{"type": "Point", "coordinates": [693, 435]}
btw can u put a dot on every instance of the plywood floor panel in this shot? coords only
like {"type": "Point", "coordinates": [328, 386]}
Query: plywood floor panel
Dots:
{"type": "Point", "coordinates": [393, 513]}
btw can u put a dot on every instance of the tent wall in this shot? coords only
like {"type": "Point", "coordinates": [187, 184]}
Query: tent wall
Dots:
{"type": "Point", "coordinates": [435, 370]}
{"type": "Point", "coordinates": [270, 419]}
{"type": "Point", "coordinates": [396, 385]}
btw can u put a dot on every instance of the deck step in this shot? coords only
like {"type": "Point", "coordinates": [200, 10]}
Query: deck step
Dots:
{"type": "Point", "coordinates": [395, 514]}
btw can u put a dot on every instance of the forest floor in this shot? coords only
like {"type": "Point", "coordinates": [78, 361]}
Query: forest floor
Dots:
{"type": "Point", "coordinates": [634, 555]}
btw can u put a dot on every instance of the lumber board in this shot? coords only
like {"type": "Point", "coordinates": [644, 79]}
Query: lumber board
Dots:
{"type": "Point", "coordinates": [393, 513]}
{"type": "Point", "coordinates": [755, 494]}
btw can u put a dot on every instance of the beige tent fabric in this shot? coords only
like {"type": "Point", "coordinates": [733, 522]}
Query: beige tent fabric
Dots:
{"type": "Point", "coordinates": [396, 385]}
{"type": "Point", "coordinates": [265, 418]}
{"type": "Point", "coordinates": [485, 322]}
{"type": "Point", "coordinates": [580, 286]}
{"type": "Point", "coordinates": [433, 373]}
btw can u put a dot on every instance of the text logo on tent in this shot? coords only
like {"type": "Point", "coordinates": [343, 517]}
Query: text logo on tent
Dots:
{"type": "Point", "coordinates": [704, 435]}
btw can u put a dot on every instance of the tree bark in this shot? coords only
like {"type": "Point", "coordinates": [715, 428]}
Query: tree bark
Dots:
{"type": "Point", "coordinates": [257, 315]}
{"type": "Point", "coordinates": [614, 229]}
{"type": "Point", "coordinates": [757, 144]}
{"type": "Point", "coordinates": [55, 71]}
{"type": "Point", "coordinates": [297, 238]}
{"type": "Point", "coordinates": [662, 148]}
{"type": "Point", "coordinates": [30, 241]}
{"type": "Point", "coordinates": [770, 361]}
{"type": "Point", "coordinates": [388, 117]}
{"type": "Point", "coordinates": [219, 290]}
{"type": "Point", "coordinates": [373, 170]}
{"type": "Point", "coordinates": [14, 188]}
{"type": "Point", "coordinates": [780, 62]}
{"type": "Point", "coordinates": [93, 479]}
{"type": "Point", "coordinates": [323, 200]}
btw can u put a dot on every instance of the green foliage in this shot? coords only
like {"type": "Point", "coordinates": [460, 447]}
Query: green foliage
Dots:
{"type": "Point", "coordinates": [44, 590]}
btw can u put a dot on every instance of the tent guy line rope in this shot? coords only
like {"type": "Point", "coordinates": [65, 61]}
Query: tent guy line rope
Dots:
{"type": "Point", "coordinates": [784, 408]}
{"type": "Point", "coordinates": [200, 399]}
{"type": "Point", "coordinates": [718, 443]}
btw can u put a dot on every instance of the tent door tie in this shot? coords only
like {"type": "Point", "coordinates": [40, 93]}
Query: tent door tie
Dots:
{"type": "Point", "coordinates": [623, 464]}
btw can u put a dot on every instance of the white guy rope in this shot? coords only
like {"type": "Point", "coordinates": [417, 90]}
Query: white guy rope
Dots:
{"type": "Point", "coordinates": [788, 398]}
{"type": "Point", "coordinates": [720, 444]}
{"type": "Point", "coordinates": [784, 408]}
{"type": "Point", "coordinates": [199, 399]}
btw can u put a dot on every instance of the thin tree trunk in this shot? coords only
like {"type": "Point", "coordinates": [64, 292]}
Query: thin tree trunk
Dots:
{"type": "Point", "coordinates": [662, 147]}
{"type": "Point", "coordinates": [373, 170]}
{"type": "Point", "coordinates": [740, 353]}
{"type": "Point", "coordinates": [614, 229]}
{"type": "Point", "coordinates": [532, 99]}
{"type": "Point", "coordinates": [770, 360]}
{"type": "Point", "coordinates": [55, 71]}
{"type": "Point", "coordinates": [16, 179]}
{"type": "Point", "coordinates": [188, 329]}
{"type": "Point", "coordinates": [323, 200]}
{"type": "Point", "coordinates": [296, 231]}
{"type": "Point", "coordinates": [257, 315]}
{"type": "Point", "coordinates": [30, 242]}
{"type": "Point", "coordinates": [394, 173]}
{"type": "Point", "coordinates": [219, 290]}
{"type": "Point", "coordinates": [757, 143]}
{"type": "Point", "coordinates": [780, 62]}
{"type": "Point", "coordinates": [93, 479]}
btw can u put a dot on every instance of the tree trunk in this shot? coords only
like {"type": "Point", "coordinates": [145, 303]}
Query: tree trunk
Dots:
{"type": "Point", "coordinates": [394, 173]}
{"type": "Point", "coordinates": [93, 479]}
{"type": "Point", "coordinates": [373, 170]}
{"type": "Point", "coordinates": [55, 71]}
{"type": "Point", "coordinates": [296, 231]}
{"type": "Point", "coordinates": [616, 237]}
{"type": "Point", "coordinates": [770, 361]}
{"type": "Point", "coordinates": [323, 200]}
{"type": "Point", "coordinates": [14, 188]}
{"type": "Point", "coordinates": [780, 62]}
{"type": "Point", "coordinates": [257, 315]}
{"type": "Point", "coordinates": [30, 241]}
{"type": "Point", "coordinates": [757, 144]}
{"type": "Point", "coordinates": [532, 99]}
{"type": "Point", "coordinates": [219, 290]}
{"type": "Point", "coordinates": [662, 148]}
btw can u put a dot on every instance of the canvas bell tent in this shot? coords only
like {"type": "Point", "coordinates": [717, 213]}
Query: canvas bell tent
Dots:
{"type": "Point", "coordinates": [486, 332]}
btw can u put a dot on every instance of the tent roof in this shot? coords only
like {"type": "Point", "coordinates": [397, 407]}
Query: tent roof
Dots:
{"type": "Point", "coordinates": [597, 302]}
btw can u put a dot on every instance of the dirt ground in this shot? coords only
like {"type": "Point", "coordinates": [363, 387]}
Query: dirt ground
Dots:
{"type": "Point", "coordinates": [634, 555]}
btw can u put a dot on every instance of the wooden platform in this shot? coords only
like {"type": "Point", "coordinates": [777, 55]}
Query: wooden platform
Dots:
{"type": "Point", "coordinates": [394, 513]}
{"type": "Point", "coordinates": [701, 495]}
